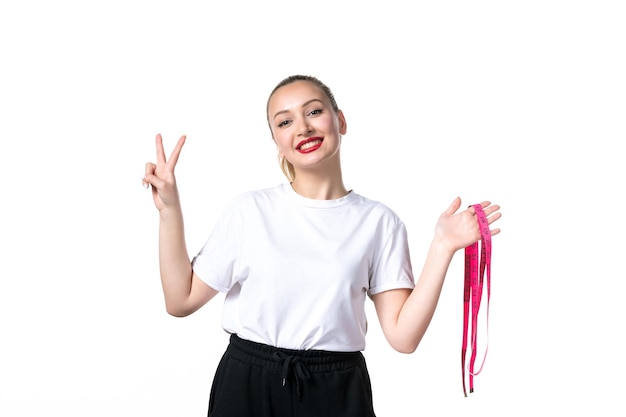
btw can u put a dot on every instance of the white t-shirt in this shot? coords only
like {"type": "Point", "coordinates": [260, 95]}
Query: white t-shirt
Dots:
{"type": "Point", "coordinates": [296, 270]}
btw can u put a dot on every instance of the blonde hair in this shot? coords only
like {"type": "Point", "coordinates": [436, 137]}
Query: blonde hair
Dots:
{"type": "Point", "coordinates": [284, 164]}
{"type": "Point", "coordinates": [287, 168]}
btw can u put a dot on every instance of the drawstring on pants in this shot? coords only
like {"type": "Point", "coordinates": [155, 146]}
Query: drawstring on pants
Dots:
{"type": "Point", "coordinates": [300, 371]}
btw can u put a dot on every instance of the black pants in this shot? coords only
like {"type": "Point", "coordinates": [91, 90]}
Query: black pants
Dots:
{"type": "Point", "coordinates": [256, 380]}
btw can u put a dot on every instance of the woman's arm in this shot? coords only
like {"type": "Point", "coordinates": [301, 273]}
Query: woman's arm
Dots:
{"type": "Point", "coordinates": [405, 314]}
{"type": "Point", "coordinates": [184, 292]}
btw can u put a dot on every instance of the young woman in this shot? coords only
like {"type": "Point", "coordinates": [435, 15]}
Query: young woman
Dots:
{"type": "Point", "coordinates": [297, 262]}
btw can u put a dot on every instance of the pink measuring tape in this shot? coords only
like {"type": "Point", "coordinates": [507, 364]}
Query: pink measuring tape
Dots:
{"type": "Point", "coordinates": [475, 268]}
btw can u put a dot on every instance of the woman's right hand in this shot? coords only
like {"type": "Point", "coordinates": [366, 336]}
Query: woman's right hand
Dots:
{"type": "Point", "coordinates": [160, 176]}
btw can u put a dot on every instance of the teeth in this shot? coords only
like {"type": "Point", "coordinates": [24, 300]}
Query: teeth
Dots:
{"type": "Point", "coordinates": [310, 144]}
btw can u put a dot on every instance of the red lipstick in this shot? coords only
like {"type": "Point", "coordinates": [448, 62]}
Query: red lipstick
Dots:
{"type": "Point", "coordinates": [309, 145]}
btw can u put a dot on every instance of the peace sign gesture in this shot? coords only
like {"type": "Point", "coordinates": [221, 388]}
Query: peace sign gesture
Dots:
{"type": "Point", "coordinates": [161, 175]}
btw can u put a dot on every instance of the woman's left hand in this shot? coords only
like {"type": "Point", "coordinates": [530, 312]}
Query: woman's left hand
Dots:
{"type": "Point", "coordinates": [459, 230]}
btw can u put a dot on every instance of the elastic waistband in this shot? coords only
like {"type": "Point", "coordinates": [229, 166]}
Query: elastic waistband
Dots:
{"type": "Point", "coordinates": [260, 354]}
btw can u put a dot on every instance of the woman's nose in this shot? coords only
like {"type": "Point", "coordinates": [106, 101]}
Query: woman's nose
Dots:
{"type": "Point", "coordinates": [304, 127]}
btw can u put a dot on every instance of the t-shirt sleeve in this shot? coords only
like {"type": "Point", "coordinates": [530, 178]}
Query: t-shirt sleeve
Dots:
{"type": "Point", "coordinates": [392, 266]}
{"type": "Point", "coordinates": [217, 262]}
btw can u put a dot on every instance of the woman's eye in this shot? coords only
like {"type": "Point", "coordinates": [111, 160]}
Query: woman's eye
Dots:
{"type": "Point", "coordinates": [283, 123]}
{"type": "Point", "coordinates": [315, 112]}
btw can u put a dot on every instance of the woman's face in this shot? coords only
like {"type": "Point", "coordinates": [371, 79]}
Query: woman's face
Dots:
{"type": "Point", "coordinates": [306, 129]}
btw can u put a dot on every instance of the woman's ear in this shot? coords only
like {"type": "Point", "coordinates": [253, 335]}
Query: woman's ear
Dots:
{"type": "Point", "coordinates": [343, 126]}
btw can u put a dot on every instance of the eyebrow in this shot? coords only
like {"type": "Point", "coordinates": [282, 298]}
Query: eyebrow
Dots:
{"type": "Point", "coordinates": [306, 103]}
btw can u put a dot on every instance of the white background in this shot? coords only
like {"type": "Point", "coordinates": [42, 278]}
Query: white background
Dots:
{"type": "Point", "coordinates": [522, 103]}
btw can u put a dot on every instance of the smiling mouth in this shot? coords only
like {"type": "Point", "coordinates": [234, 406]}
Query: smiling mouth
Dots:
{"type": "Point", "coordinates": [309, 145]}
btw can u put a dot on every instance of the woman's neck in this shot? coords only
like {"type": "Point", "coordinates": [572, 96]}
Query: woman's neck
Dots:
{"type": "Point", "coordinates": [319, 187]}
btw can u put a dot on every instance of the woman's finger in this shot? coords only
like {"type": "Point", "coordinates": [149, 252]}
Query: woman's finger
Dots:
{"type": "Point", "coordinates": [150, 168]}
{"type": "Point", "coordinates": [159, 150]}
{"type": "Point", "coordinates": [485, 204]}
{"type": "Point", "coordinates": [453, 207]}
{"type": "Point", "coordinates": [156, 182]}
{"type": "Point", "coordinates": [493, 218]}
{"type": "Point", "coordinates": [149, 172]}
{"type": "Point", "coordinates": [489, 211]}
{"type": "Point", "coordinates": [176, 152]}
